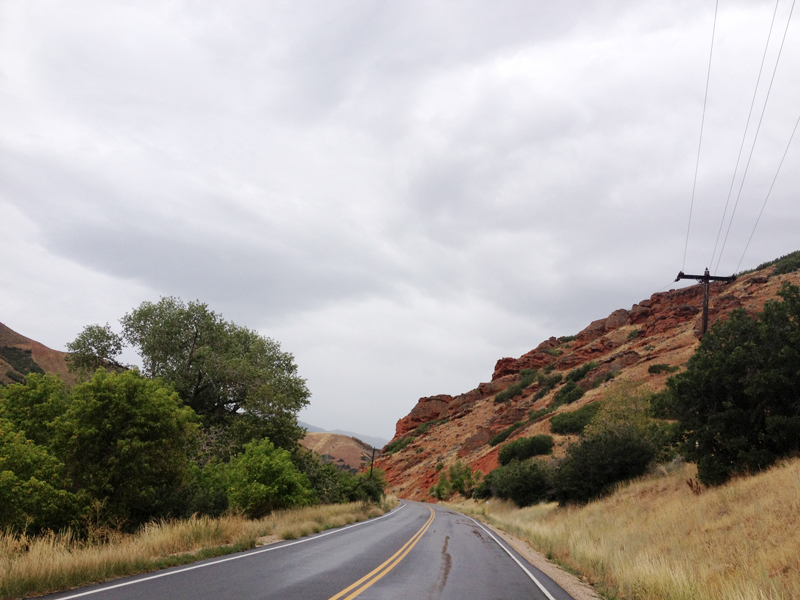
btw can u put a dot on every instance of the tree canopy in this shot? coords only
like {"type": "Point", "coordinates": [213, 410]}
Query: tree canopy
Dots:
{"type": "Point", "coordinates": [228, 374]}
{"type": "Point", "coordinates": [738, 402]}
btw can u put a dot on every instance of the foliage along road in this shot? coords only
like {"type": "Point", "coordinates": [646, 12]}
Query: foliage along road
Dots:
{"type": "Point", "coordinates": [415, 551]}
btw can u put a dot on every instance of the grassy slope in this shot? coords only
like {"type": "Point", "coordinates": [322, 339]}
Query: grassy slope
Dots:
{"type": "Point", "coordinates": [654, 538]}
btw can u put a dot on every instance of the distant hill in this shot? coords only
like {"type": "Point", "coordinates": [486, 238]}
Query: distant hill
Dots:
{"type": "Point", "coordinates": [374, 441]}
{"type": "Point", "coordinates": [20, 356]}
{"type": "Point", "coordinates": [348, 453]}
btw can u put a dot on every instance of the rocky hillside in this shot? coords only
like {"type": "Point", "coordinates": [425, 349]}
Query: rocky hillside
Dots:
{"type": "Point", "coordinates": [664, 329]}
{"type": "Point", "coordinates": [20, 356]}
{"type": "Point", "coordinates": [348, 453]}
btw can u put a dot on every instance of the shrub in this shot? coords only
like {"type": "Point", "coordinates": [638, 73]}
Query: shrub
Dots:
{"type": "Point", "coordinates": [124, 439]}
{"type": "Point", "coordinates": [458, 478]}
{"type": "Point", "coordinates": [580, 372]}
{"type": "Point", "coordinates": [661, 368]}
{"type": "Point", "coordinates": [592, 467]}
{"type": "Point", "coordinates": [503, 435]}
{"type": "Point", "coordinates": [533, 415]}
{"type": "Point", "coordinates": [523, 482]}
{"type": "Point", "coordinates": [523, 448]}
{"type": "Point", "coordinates": [397, 445]}
{"type": "Point", "coordinates": [634, 334]}
{"type": "Point", "coordinates": [546, 382]}
{"type": "Point", "coordinates": [527, 377]}
{"type": "Point", "coordinates": [600, 379]}
{"type": "Point", "coordinates": [737, 400]}
{"type": "Point", "coordinates": [263, 478]}
{"type": "Point", "coordinates": [34, 404]}
{"type": "Point", "coordinates": [20, 360]}
{"type": "Point", "coordinates": [568, 394]}
{"type": "Point", "coordinates": [785, 264]}
{"type": "Point", "coordinates": [575, 421]}
{"type": "Point", "coordinates": [568, 338]}
{"type": "Point", "coordinates": [32, 494]}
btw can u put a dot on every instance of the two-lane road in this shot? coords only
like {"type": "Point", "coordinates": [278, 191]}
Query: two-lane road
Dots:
{"type": "Point", "coordinates": [416, 551]}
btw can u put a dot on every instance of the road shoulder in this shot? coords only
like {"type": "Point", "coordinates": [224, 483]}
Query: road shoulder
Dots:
{"type": "Point", "coordinates": [574, 586]}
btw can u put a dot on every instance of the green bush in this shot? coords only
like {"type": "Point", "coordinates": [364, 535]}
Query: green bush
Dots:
{"type": "Point", "coordinates": [124, 440]}
{"type": "Point", "coordinates": [533, 415]}
{"type": "Point", "coordinates": [34, 404]}
{"type": "Point", "coordinates": [523, 482]}
{"type": "Point", "coordinates": [737, 401]}
{"type": "Point", "coordinates": [523, 448]}
{"type": "Point", "coordinates": [785, 264]}
{"type": "Point", "coordinates": [527, 377]}
{"type": "Point", "coordinates": [634, 334]}
{"type": "Point", "coordinates": [32, 487]}
{"type": "Point", "coordinates": [661, 368]}
{"type": "Point", "coordinates": [503, 435]}
{"type": "Point", "coordinates": [458, 478]}
{"type": "Point", "coordinates": [592, 467]}
{"type": "Point", "coordinates": [546, 383]}
{"type": "Point", "coordinates": [568, 394]}
{"type": "Point", "coordinates": [263, 479]}
{"type": "Point", "coordinates": [568, 338]}
{"type": "Point", "coordinates": [580, 372]}
{"type": "Point", "coordinates": [398, 444]}
{"type": "Point", "coordinates": [575, 421]}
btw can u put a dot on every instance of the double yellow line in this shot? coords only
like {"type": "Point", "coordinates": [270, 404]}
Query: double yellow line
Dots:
{"type": "Point", "coordinates": [370, 578]}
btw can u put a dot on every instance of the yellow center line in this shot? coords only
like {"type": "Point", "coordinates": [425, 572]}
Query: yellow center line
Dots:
{"type": "Point", "coordinates": [387, 566]}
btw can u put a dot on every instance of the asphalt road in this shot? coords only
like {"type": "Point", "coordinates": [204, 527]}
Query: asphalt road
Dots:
{"type": "Point", "coordinates": [416, 551]}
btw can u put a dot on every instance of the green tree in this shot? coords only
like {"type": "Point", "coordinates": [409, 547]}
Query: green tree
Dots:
{"type": "Point", "coordinates": [738, 402]}
{"type": "Point", "coordinates": [32, 486]}
{"type": "Point", "coordinates": [96, 347]}
{"type": "Point", "coordinates": [34, 405]}
{"type": "Point", "coordinates": [263, 478]}
{"type": "Point", "coordinates": [125, 440]}
{"type": "Point", "coordinates": [231, 376]}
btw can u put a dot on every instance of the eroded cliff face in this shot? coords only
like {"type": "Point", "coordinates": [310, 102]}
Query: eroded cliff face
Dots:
{"type": "Point", "coordinates": [663, 329]}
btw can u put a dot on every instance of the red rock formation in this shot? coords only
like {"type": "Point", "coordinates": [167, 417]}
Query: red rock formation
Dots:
{"type": "Point", "coordinates": [661, 329]}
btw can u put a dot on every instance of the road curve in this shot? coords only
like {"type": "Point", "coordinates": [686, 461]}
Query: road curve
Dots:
{"type": "Point", "coordinates": [416, 551]}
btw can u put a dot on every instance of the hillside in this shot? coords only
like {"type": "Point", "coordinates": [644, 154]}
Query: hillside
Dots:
{"type": "Point", "coordinates": [664, 329]}
{"type": "Point", "coordinates": [20, 355]}
{"type": "Point", "coordinates": [346, 452]}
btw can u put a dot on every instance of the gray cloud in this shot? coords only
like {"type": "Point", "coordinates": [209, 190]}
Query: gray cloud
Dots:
{"type": "Point", "coordinates": [400, 193]}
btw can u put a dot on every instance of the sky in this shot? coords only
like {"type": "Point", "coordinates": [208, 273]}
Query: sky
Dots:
{"type": "Point", "coordinates": [400, 193]}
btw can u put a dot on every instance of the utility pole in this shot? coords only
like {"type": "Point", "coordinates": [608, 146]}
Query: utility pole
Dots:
{"type": "Point", "coordinates": [706, 280]}
{"type": "Point", "coordinates": [372, 462]}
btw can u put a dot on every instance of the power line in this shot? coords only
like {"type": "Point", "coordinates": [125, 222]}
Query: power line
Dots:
{"type": "Point", "coordinates": [744, 135]}
{"type": "Point", "coordinates": [700, 142]}
{"type": "Point", "coordinates": [758, 129]}
{"type": "Point", "coordinates": [774, 179]}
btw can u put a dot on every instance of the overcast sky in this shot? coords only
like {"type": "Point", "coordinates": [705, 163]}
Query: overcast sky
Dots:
{"type": "Point", "coordinates": [400, 193]}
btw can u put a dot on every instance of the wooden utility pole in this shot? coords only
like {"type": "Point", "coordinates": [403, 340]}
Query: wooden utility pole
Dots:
{"type": "Point", "coordinates": [706, 280]}
{"type": "Point", "coordinates": [372, 462]}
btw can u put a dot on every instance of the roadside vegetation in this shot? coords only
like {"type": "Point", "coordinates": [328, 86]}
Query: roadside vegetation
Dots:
{"type": "Point", "coordinates": [205, 433]}
{"type": "Point", "coordinates": [56, 561]}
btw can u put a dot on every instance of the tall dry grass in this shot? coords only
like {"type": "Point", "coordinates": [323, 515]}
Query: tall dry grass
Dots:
{"type": "Point", "coordinates": [655, 538]}
{"type": "Point", "coordinates": [59, 561]}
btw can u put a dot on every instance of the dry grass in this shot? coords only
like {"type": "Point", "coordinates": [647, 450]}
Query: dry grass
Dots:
{"type": "Point", "coordinates": [655, 538]}
{"type": "Point", "coordinates": [54, 562]}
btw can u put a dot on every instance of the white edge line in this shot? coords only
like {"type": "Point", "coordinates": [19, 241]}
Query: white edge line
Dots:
{"type": "Point", "coordinates": [238, 555]}
{"type": "Point", "coordinates": [521, 566]}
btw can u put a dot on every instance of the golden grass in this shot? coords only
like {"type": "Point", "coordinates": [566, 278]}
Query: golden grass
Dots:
{"type": "Point", "coordinates": [55, 562]}
{"type": "Point", "coordinates": [655, 538]}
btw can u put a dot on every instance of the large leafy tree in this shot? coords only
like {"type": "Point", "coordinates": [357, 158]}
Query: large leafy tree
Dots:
{"type": "Point", "coordinates": [230, 375]}
{"type": "Point", "coordinates": [738, 402]}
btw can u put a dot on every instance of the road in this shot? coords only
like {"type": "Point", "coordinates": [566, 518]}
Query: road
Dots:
{"type": "Point", "coordinates": [416, 551]}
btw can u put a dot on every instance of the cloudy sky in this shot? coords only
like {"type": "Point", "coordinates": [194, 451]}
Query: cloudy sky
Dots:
{"type": "Point", "coordinates": [399, 192]}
